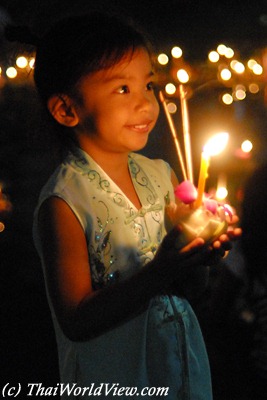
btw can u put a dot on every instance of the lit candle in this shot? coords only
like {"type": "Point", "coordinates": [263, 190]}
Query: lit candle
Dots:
{"type": "Point", "coordinates": [213, 147]}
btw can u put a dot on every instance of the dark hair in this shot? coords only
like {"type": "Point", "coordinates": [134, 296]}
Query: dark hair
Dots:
{"type": "Point", "coordinates": [77, 46]}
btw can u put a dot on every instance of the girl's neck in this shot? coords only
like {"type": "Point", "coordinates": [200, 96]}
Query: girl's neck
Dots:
{"type": "Point", "coordinates": [112, 163]}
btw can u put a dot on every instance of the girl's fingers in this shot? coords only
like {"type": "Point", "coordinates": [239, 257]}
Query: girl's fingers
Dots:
{"type": "Point", "coordinates": [194, 244]}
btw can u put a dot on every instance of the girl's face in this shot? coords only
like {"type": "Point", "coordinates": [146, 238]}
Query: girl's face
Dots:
{"type": "Point", "coordinates": [119, 108]}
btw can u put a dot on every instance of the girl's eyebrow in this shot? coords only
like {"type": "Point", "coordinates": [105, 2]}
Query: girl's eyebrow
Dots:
{"type": "Point", "coordinates": [122, 77]}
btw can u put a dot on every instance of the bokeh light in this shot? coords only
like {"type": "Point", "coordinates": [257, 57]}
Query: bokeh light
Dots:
{"type": "Point", "coordinates": [172, 107]}
{"type": "Point", "coordinates": [221, 193]}
{"type": "Point", "coordinates": [227, 98]}
{"type": "Point", "coordinates": [214, 56]}
{"type": "Point", "coordinates": [182, 75]}
{"type": "Point", "coordinates": [163, 59]}
{"type": "Point", "coordinates": [247, 146]}
{"type": "Point", "coordinates": [229, 53]}
{"type": "Point", "coordinates": [11, 72]}
{"type": "Point", "coordinates": [257, 69]}
{"type": "Point", "coordinates": [238, 67]}
{"type": "Point", "coordinates": [251, 62]}
{"type": "Point", "coordinates": [221, 49]}
{"type": "Point", "coordinates": [177, 52]}
{"type": "Point", "coordinates": [21, 62]}
{"type": "Point", "coordinates": [170, 88]}
{"type": "Point", "coordinates": [225, 74]}
{"type": "Point", "coordinates": [240, 92]}
{"type": "Point", "coordinates": [32, 62]}
{"type": "Point", "coordinates": [253, 88]}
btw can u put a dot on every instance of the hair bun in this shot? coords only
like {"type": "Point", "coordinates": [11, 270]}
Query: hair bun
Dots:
{"type": "Point", "coordinates": [21, 34]}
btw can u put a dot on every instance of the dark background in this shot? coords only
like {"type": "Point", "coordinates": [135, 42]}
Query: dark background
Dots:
{"type": "Point", "coordinates": [198, 25]}
{"type": "Point", "coordinates": [28, 350]}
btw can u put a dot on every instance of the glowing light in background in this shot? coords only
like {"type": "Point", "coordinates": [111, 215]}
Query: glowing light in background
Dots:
{"type": "Point", "coordinates": [21, 62]}
{"type": "Point", "coordinates": [182, 75]}
{"type": "Point", "coordinates": [257, 69]}
{"type": "Point", "coordinates": [172, 107]}
{"type": "Point", "coordinates": [163, 59]}
{"type": "Point", "coordinates": [237, 66]}
{"type": "Point", "coordinates": [31, 62]}
{"type": "Point", "coordinates": [246, 146]}
{"type": "Point", "coordinates": [213, 56]}
{"type": "Point", "coordinates": [225, 74]}
{"type": "Point", "coordinates": [170, 88]}
{"type": "Point", "coordinates": [176, 52]}
{"type": "Point", "coordinates": [221, 49]}
{"type": "Point", "coordinates": [11, 72]}
{"type": "Point", "coordinates": [221, 193]}
{"type": "Point", "coordinates": [254, 88]}
{"type": "Point", "coordinates": [251, 63]}
{"type": "Point", "coordinates": [229, 53]}
{"type": "Point", "coordinates": [240, 92]}
{"type": "Point", "coordinates": [244, 151]}
{"type": "Point", "coordinates": [227, 99]}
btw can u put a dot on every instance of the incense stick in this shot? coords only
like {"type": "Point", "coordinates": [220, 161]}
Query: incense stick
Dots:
{"type": "Point", "coordinates": [174, 134]}
{"type": "Point", "coordinates": [187, 141]}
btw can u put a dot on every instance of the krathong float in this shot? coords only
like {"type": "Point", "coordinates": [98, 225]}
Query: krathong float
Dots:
{"type": "Point", "coordinates": [195, 212]}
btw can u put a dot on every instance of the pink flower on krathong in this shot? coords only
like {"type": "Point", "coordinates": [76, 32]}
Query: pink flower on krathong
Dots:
{"type": "Point", "coordinates": [186, 192]}
{"type": "Point", "coordinates": [211, 205]}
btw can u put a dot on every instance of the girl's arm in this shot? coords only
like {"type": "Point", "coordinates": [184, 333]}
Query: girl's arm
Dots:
{"type": "Point", "coordinates": [82, 312]}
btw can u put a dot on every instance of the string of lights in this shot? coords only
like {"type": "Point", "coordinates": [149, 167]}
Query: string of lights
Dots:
{"type": "Point", "coordinates": [223, 68]}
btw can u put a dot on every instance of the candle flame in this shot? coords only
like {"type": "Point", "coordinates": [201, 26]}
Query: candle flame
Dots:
{"type": "Point", "coordinates": [216, 144]}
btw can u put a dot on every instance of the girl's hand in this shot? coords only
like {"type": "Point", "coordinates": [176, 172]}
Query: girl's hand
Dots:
{"type": "Point", "coordinates": [194, 244]}
{"type": "Point", "coordinates": [233, 233]}
{"type": "Point", "coordinates": [221, 246]}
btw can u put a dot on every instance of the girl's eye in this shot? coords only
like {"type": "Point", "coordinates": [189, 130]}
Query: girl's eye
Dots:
{"type": "Point", "coordinates": [124, 89]}
{"type": "Point", "coordinates": [150, 86]}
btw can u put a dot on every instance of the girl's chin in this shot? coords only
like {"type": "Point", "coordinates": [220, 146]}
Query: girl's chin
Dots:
{"type": "Point", "coordinates": [139, 144]}
{"type": "Point", "coordinates": [138, 148]}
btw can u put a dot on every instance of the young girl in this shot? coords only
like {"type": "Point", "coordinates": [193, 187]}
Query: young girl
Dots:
{"type": "Point", "coordinates": [111, 276]}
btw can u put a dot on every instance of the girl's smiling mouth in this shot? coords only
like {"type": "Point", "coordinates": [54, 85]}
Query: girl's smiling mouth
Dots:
{"type": "Point", "coordinates": [145, 127]}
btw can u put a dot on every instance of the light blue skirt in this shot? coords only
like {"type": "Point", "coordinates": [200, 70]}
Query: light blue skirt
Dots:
{"type": "Point", "coordinates": [161, 348]}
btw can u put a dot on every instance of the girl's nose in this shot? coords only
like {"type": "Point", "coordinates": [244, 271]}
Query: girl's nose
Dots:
{"type": "Point", "coordinates": [145, 101]}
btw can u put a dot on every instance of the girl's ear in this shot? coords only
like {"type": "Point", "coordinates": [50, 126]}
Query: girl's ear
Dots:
{"type": "Point", "coordinates": [63, 110]}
